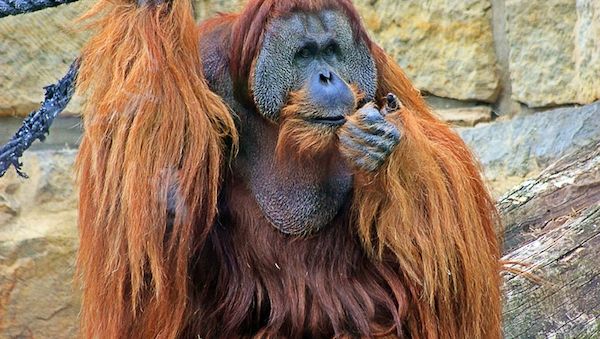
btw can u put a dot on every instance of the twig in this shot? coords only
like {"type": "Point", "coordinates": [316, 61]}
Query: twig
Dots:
{"type": "Point", "coordinates": [37, 124]}
{"type": "Point", "coordinates": [14, 7]}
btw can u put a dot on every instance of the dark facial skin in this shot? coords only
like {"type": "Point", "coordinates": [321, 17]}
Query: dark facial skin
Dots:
{"type": "Point", "coordinates": [317, 53]}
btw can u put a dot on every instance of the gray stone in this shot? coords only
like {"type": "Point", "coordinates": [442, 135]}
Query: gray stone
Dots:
{"type": "Point", "coordinates": [554, 51]}
{"type": "Point", "coordinates": [519, 148]}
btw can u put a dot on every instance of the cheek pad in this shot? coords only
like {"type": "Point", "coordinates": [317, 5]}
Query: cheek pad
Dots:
{"type": "Point", "coordinates": [274, 74]}
{"type": "Point", "coordinates": [357, 65]}
{"type": "Point", "coordinates": [360, 69]}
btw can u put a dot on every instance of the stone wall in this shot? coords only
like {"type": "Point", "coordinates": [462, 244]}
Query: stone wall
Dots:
{"type": "Point", "coordinates": [38, 243]}
{"type": "Point", "coordinates": [508, 55]}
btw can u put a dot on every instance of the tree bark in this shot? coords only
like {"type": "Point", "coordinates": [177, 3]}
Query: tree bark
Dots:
{"type": "Point", "coordinates": [552, 223]}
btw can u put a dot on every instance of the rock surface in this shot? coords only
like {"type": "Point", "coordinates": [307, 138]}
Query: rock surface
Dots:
{"type": "Point", "coordinates": [554, 51]}
{"type": "Point", "coordinates": [36, 50]}
{"type": "Point", "coordinates": [511, 151]}
{"type": "Point", "coordinates": [38, 243]}
{"type": "Point", "coordinates": [207, 8]}
{"type": "Point", "coordinates": [446, 47]}
{"type": "Point", "coordinates": [465, 116]}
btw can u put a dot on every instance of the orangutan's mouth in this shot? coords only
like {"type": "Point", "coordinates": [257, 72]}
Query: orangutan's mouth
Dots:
{"type": "Point", "coordinates": [335, 121]}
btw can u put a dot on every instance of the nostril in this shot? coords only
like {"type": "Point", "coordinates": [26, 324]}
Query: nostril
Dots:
{"type": "Point", "coordinates": [325, 76]}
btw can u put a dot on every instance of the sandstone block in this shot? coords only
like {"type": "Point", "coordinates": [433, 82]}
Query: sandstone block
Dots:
{"type": "Point", "coordinates": [554, 51]}
{"type": "Point", "coordinates": [446, 47]}
{"type": "Point", "coordinates": [465, 116]}
{"type": "Point", "coordinates": [36, 50]}
{"type": "Point", "coordinates": [38, 244]}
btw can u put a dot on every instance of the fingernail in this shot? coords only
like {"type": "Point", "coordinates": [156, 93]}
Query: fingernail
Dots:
{"type": "Point", "coordinates": [392, 105]}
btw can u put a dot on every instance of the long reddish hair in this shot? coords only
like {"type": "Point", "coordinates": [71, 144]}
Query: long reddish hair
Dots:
{"type": "Point", "coordinates": [437, 217]}
{"type": "Point", "coordinates": [153, 129]}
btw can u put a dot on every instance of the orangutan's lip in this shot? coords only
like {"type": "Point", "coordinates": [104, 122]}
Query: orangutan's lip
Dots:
{"type": "Point", "coordinates": [329, 121]}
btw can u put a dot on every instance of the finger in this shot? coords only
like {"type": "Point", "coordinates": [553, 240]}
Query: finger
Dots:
{"type": "Point", "coordinates": [392, 104]}
{"type": "Point", "coordinates": [381, 128]}
{"type": "Point", "coordinates": [369, 115]}
{"type": "Point", "coordinates": [358, 145]}
{"type": "Point", "coordinates": [387, 131]}
{"type": "Point", "coordinates": [362, 134]}
{"type": "Point", "coordinates": [357, 151]}
{"type": "Point", "coordinates": [380, 137]}
{"type": "Point", "coordinates": [371, 162]}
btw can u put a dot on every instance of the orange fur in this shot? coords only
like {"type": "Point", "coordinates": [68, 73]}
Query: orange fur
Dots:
{"type": "Point", "coordinates": [304, 140]}
{"type": "Point", "coordinates": [429, 208]}
{"type": "Point", "coordinates": [151, 125]}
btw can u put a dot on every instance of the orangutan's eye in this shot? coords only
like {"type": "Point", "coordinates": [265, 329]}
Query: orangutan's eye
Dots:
{"type": "Point", "coordinates": [304, 53]}
{"type": "Point", "coordinates": [330, 50]}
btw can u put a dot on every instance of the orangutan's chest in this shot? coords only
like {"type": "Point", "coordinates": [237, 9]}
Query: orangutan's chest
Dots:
{"type": "Point", "coordinates": [317, 287]}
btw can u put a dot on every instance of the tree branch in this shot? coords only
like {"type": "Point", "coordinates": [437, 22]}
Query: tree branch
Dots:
{"type": "Point", "coordinates": [15, 7]}
{"type": "Point", "coordinates": [37, 124]}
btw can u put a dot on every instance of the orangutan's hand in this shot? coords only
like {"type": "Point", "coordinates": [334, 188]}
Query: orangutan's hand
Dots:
{"type": "Point", "coordinates": [367, 139]}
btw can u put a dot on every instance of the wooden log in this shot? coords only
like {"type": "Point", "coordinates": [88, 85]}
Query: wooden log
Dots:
{"type": "Point", "coordinates": [552, 223]}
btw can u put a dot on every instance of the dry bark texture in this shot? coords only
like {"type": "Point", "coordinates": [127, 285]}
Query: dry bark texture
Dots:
{"type": "Point", "coordinates": [553, 222]}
